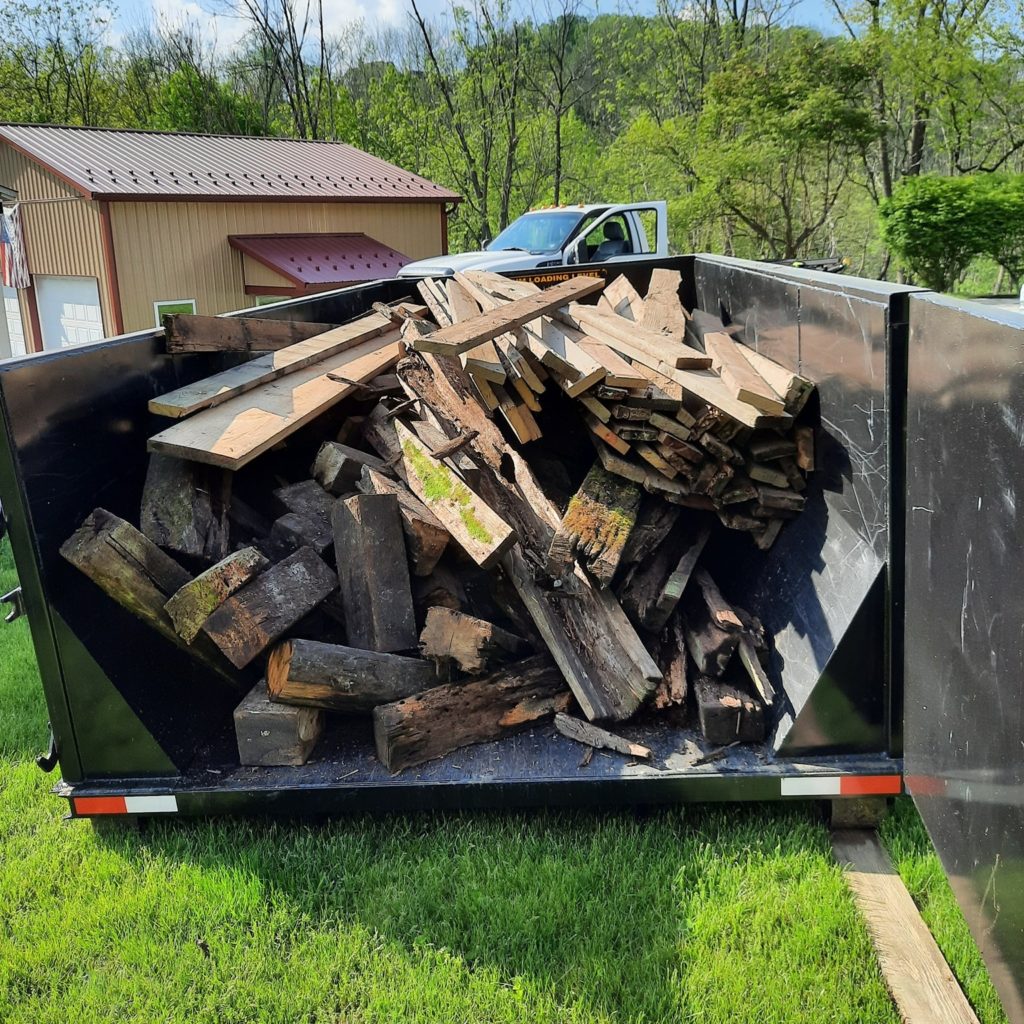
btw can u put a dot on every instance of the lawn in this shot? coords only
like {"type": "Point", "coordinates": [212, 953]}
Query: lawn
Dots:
{"type": "Point", "coordinates": [729, 914]}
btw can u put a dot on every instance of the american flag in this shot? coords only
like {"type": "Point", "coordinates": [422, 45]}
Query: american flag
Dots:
{"type": "Point", "coordinates": [13, 266]}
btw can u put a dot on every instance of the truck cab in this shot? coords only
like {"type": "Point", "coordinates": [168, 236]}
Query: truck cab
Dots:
{"type": "Point", "coordinates": [560, 235]}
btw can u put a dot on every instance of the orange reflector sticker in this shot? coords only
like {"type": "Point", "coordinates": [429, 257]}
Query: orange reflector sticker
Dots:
{"type": "Point", "coordinates": [100, 805]}
{"type": "Point", "coordinates": [870, 785]}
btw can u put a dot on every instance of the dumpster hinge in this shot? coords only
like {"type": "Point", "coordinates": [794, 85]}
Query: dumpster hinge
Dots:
{"type": "Point", "coordinates": [14, 599]}
{"type": "Point", "coordinates": [48, 761]}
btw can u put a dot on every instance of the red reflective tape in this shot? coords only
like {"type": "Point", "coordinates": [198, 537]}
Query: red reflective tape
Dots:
{"type": "Point", "coordinates": [100, 805]}
{"type": "Point", "coordinates": [870, 785]}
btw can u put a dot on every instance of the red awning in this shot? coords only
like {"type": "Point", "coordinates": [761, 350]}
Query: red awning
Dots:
{"type": "Point", "coordinates": [314, 262]}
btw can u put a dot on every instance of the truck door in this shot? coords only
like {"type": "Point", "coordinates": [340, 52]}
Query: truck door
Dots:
{"type": "Point", "coordinates": [964, 636]}
{"type": "Point", "coordinates": [619, 235]}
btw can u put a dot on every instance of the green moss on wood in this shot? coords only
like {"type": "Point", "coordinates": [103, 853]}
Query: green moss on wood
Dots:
{"type": "Point", "coordinates": [440, 484]}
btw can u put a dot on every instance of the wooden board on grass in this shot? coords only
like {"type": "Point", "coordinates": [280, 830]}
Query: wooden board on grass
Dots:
{"type": "Point", "coordinates": [233, 434]}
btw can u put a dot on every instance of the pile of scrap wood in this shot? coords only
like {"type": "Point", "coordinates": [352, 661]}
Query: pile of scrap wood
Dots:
{"type": "Point", "coordinates": [461, 517]}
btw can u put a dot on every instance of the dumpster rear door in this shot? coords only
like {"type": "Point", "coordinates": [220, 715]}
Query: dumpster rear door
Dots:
{"type": "Point", "coordinates": [964, 650]}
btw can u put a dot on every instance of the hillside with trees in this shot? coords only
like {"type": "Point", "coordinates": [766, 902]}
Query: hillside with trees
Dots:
{"type": "Point", "coordinates": [897, 141]}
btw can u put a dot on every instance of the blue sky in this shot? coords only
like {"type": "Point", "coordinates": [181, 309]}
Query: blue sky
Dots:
{"type": "Point", "coordinates": [338, 13]}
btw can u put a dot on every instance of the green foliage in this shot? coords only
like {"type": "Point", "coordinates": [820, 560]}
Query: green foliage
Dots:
{"type": "Point", "coordinates": [1004, 196]}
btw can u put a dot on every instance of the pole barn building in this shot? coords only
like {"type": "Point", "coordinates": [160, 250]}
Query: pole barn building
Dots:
{"type": "Point", "coordinates": [119, 227]}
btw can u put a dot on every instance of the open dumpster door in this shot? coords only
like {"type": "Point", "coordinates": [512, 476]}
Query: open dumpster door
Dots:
{"type": "Point", "coordinates": [964, 651]}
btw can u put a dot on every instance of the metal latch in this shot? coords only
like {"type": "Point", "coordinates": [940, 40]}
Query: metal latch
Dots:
{"type": "Point", "coordinates": [14, 599]}
{"type": "Point", "coordinates": [48, 761]}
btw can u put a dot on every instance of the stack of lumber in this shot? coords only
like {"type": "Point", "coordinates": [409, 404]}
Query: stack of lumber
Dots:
{"type": "Point", "coordinates": [460, 518]}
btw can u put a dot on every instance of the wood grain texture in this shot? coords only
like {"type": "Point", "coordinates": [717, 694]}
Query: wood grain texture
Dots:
{"type": "Point", "coordinates": [233, 434]}
{"type": "Point", "coordinates": [593, 736]}
{"type": "Point", "coordinates": [445, 718]}
{"type": "Point", "coordinates": [663, 312]}
{"type": "Point", "coordinates": [737, 373]}
{"type": "Point", "coordinates": [470, 643]}
{"type": "Point", "coordinates": [916, 974]}
{"type": "Point", "coordinates": [460, 337]}
{"type": "Point", "coordinates": [190, 332]}
{"type": "Point", "coordinates": [184, 508]}
{"type": "Point", "coordinates": [215, 390]}
{"type": "Point", "coordinates": [273, 735]}
{"type": "Point", "coordinates": [345, 679]}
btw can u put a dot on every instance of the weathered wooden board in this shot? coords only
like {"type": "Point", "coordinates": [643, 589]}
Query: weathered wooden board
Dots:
{"type": "Point", "coordinates": [345, 679]}
{"type": "Point", "coordinates": [272, 735]}
{"type": "Point", "coordinates": [218, 389]}
{"type": "Point", "coordinates": [739, 376]}
{"type": "Point", "coordinates": [460, 337]}
{"type": "Point", "coordinates": [191, 332]}
{"type": "Point", "coordinates": [466, 641]}
{"type": "Point", "coordinates": [233, 434]}
{"type": "Point", "coordinates": [592, 736]}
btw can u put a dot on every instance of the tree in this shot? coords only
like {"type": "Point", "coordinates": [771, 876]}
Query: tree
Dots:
{"type": "Point", "coordinates": [936, 225]}
{"type": "Point", "coordinates": [1003, 194]}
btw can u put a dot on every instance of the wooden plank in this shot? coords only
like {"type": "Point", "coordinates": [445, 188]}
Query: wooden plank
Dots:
{"type": "Point", "coordinates": [476, 528]}
{"type": "Point", "coordinates": [345, 679]}
{"type": "Point", "coordinates": [618, 372]}
{"type": "Point", "coordinates": [622, 298]}
{"type": "Point", "coordinates": [470, 643]}
{"type": "Point", "coordinates": [482, 361]}
{"type": "Point", "coordinates": [556, 346]}
{"type": "Point", "coordinates": [191, 332]}
{"type": "Point", "coordinates": [131, 570]}
{"type": "Point", "coordinates": [665, 384]}
{"type": "Point", "coordinates": [272, 735]}
{"type": "Point", "coordinates": [233, 434]}
{"type": "Point", "coordinates": [373, 574]}
{"type": "Point", "coordinates": [184, 508]}
{"type": "Point", "coordinates": [915, 972]}
{"type": "Point", "coordinates": [743, 381]}
{"type": "Point", "coordinates": [434, 295]}
{"type": "Point", "coordinates": [338, 467]}
{"type": "Point", "coordinates": [606, 434]}
{"type": "Point", "coordinates": [445, 718]}
{"type": "Point", "coordinates": [592, 736]}
{"type": "Point", "coordinates": [425, 537]}
{"type": "Point", "coordinates": [248, 622]}
{"type": "Point", "coordinates": [191, 605]}
{"type": "Point", "coordinates": [631, 340]}
{"type": "Point", "coordinates": [221, 387]}
{"type": "Point", "coordinates": [663, 312]}
{"type": "Point", "coordinates": [794, 389]}
{"type": "Point", "coordinates": [709, 387]}
{"type": "Point", "coordinates": [460, 337]}
{"type": "Point", "coordinates": [596, 526]}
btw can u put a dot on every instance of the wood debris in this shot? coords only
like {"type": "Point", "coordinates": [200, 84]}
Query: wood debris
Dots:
{"type": "Point", "coordinates": [507, 507]}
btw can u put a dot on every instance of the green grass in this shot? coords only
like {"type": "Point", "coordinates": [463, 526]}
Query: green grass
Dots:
{"type": "Point", "coordinates": [693, 915]}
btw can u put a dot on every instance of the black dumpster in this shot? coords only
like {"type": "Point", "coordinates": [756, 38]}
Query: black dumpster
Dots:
{"type": "Point", "coordinates": [140, 728]}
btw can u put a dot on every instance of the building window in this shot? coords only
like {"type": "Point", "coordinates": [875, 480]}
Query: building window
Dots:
{"type": "Point", "coordinates": [166, 306]}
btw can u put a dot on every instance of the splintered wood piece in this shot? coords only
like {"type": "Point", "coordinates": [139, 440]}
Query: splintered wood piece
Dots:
{"type": "Point", "coordinates": [791, 387]}
{"type": "Point", "coordinates": [594, 644]}
{"type": "Point", "coordinates": [184, 508]}
{"type": "Point", "coordinates": [131, 570]}
{"type": "Point", "coordinates": [461, 337]}
{"type": "Point", "coordinates": [662, 309]}
{"type": "Point", "coordinates": [488, 398]}
{"type": "Point", "coordinates": [197, 600]}
{"type": "Point", "coordinates": [728, 715]}
{"type": "Point", "coordinates": [437, 443]}
{"type": "Point", "coordinates": [710, 646]}
{"type": "Point", "coordinates": [622, 298]}
{"type": "Point", "coordinates": [526, 395]}
{"type": "Point", "coordinates": [445, 718]}
{"type": "Point", "coordinates": [522, 365]}
{"type": "Point", "coordinates": [269, 735]}
{"type": "Point", "coordinates": [233, 434]}
{"type": "Point", "coordinates": [190, 332]}
{"type": "Point", "coordinates": [215, 390]}
{"type": "Point", "coordinates": [476, 528]}
{"type": "Point", "coordinates": [515, 415]}
{"type": "Point", "coordinates": [805, 448]}
{"type": "Point", "coordinates": [719, 609]}
{"type": "Point", "coordinates": [338, 467]}
{"type": "Point", "coordinates": [743, 381]}
{"type": "Point", "coordinates": [373, 574]}
{"type": "Point", "coordinates": [606, 434]}
{"type": "Point", "coordinates": [596, 526]}
{"type": "Point", "coordinates": [557, 347]}
{"type": "Point", "coordinates": [482, 361]}
{"type": "Point", "coordinates": [471, 643]}
{"type": "Point", "coordinates": [755, 670]}
{"type": "Point", "coordinates": [345, 679]}
{"type": "Point", "coordinates": [425, 537]}
{"type": "Point", "coordinates": [674, 664]}
{"type": "Point", "coordinates": [600, 739]}
{"type": "Point", "coordinates": [632, 340]}
{"type": "Point", "coordinates": [252, 619]}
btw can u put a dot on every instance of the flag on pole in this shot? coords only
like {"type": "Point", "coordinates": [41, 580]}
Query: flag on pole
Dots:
{"type": "Point", "coordinates": [13, 264]}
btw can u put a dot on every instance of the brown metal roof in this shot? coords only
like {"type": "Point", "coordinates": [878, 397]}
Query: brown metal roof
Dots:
{"type": "Point", "coordinates": [108, 163]}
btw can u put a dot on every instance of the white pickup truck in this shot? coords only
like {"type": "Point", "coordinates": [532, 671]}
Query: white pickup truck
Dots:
{"type": "Point", "coordinates": [596, 233]}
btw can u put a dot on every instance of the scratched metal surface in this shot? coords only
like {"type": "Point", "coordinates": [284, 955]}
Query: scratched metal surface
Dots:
{"type": "Point", "coordinates": [964, 733]}
{"type": "Point", "coordinates": [830, 567]}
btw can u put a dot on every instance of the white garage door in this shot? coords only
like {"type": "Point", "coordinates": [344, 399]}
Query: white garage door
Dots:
{"type": "Point", "coordinates": [69, 310]}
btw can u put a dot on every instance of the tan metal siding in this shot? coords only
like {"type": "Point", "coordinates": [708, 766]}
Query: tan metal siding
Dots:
{"type": "Point", "coordinates": [63, 237]}
{"type": "Point", "coordinates": [181, 251]}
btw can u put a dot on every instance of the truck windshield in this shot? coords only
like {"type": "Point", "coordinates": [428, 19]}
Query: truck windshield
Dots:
{"type": "Point", "coordinates": [537, 232]}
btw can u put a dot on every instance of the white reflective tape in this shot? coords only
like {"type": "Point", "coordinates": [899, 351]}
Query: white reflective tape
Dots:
{"type": "Point", "coordinates": [810, 786]}
{"type": "Point", "coordinates": [151, 804]}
